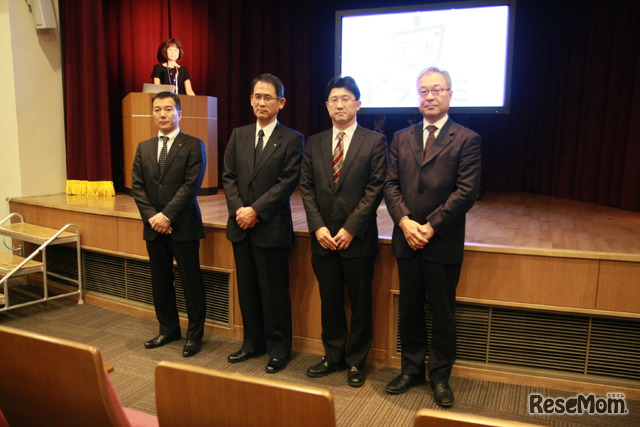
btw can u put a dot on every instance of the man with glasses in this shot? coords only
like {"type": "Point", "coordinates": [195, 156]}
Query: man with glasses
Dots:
{"type": "Point", "coordinates": [343, 172]}
{"type": "Point", "coordinates": [261, 170]}
{"type": "Point", "coordinates": [432, 180]}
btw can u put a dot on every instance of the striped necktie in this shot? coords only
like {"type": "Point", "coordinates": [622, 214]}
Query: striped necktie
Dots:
{"type": "Point", "coordinates": [338, 158]}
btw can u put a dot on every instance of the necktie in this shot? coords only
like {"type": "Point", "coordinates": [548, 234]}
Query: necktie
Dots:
{"type": "Point", "coordinates": [259, 147]}
{"type": "Point", "coordinates": [338, 158]}
{"type": "Point", "coordinates": [432, 137]}
{"type": "Point", "coordinates": [163, 153]}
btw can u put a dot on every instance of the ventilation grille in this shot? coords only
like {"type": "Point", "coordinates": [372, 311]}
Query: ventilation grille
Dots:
{"type": "Point", "coordinates": [568, 343]}
{"type": "Point", "coordinates": [131, 279]}
{"type": "Point", "coordinates": [614, 348]}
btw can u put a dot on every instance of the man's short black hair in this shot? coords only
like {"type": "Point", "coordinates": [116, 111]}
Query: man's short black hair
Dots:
{"type": "Point", "coordinates": [162, 95]}
{"type": "Point", "coordinates": [269, 78]}
{"type": "Point", "coordinates": [346, 82]}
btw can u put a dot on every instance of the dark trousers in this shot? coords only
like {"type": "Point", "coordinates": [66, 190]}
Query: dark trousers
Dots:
{"type": "Point", "coordinates": [162, 251]}
{"type": "Point", "coordinates": [334, 274]}
{"type": "Point", "coordinates": [263, 292]}
{"type": "Point", "coordinates": [422, 281]}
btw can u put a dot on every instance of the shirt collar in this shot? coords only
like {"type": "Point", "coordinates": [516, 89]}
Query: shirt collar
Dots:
{"type": "Point", "coordinates": [348, 131]}
{"type": "Point", "coordinates": [268, 130]}
{"type": "Point", "coordinates": [439, 124]}
{"type": "Point", "coordinates": [172, 135]}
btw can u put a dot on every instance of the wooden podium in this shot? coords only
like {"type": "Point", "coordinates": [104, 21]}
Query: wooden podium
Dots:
{"type": "Point", "coordinates": [199, 119]}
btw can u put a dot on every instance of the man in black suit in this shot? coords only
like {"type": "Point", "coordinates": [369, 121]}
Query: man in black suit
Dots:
{"type": "Point", "coordinates": [167, 176]}
{"type": "Point", "coordinates": [343, 171]}
{"type": "Point", "coordinates": [261, 170]}
{"type": "Point", "coordinates": [433, 179]}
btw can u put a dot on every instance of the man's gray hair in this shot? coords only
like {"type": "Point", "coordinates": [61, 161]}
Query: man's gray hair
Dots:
{"type": "Point", "coordinates": [430, 70]}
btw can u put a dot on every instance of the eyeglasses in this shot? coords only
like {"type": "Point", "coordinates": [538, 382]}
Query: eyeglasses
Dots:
{"type": "Point", "coordinates": [345, 101]}
{"type": "Point", "coordinates": [435, 92]}
{"type": "Point", "coordinates": [266, 98]}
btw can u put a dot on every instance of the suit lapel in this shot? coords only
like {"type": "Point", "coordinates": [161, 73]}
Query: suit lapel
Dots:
{"type": "Point", "coordinates": [326, 154]}
{"type": "Point", "coordinates": [417, 144]}
{"type": "Point", "coordinates": [153, 156]}
{"type": "Point", "coordinates": [246, 147]}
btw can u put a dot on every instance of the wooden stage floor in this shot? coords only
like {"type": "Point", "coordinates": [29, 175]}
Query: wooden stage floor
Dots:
{"type": "Point", "coordinates": [500, 222]}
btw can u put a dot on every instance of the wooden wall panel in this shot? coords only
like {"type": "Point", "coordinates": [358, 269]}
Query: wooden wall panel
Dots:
{"type": "Point", "coordinates": [304, 291]}
{"type": "Point", "coordinates": [28, 212]}
{"type": "Point", "coordinates": [98, 231]}
{"type": "Point", "coordinates": [564, 282]}
{"type": "Point", "coordinates": [619, 286]}
{"type": "Point", "coordinates": [130, 239]}
{"type": "Point", "coordinates": [216, 250]}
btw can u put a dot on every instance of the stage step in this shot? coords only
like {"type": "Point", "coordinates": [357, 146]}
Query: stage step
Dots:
{"type": "Point", "coordinates": [9, 261]}
{"type": "Point", "coordinates": [35, 233]}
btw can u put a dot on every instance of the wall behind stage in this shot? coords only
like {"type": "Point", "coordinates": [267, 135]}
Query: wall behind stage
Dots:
{"type": "Point", "coordinates": [572, 131]}
{"type": "Point", "coordinates": [32, 149]}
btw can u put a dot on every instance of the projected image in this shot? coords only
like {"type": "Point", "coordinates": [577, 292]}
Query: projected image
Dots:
{"type": "Point", "coordinates": [385, 51]}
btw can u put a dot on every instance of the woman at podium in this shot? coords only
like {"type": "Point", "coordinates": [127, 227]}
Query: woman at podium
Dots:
{"type": "Point", "coordinates": [168, 72]}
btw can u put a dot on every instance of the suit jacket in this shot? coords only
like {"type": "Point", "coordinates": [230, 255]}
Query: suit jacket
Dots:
{"type": "Point", "coordinates": [266, 187]}
{"type": "Point", "coordinates": [439, 189]}
{"type": "Point", "coordinates": [174, 191]}
{"type": "Point", "coordinates": [352, 203]}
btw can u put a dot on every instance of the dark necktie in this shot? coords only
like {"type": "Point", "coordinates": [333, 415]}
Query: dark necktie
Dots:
{"type": "Point", "coordinates": [432, 137]}
{"type": "Point", "coordinates": [338, 158]}
{"type": "Point", "coordinates": [163, 153]}
{"type": "Point", "coordinates": [259, 147]}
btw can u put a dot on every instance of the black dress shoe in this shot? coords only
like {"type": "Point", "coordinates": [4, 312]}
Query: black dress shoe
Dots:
{"type": "Point", "coordinates": [161, 340]}
{"type": "Point", "coordinates": [241, 356]}
{"type": "Point", "coordinates": [404, 382]}
{"type": "Point", "coordinates": [191, 347]}
{"type": "Point", "coordinates": [442, 394]}
{"type": "Point", "coordinates": [276, 365]}
{"type": "Point", "coordinates": [324, 368]}
{"type": "Point", "coordinates": [356, 376]}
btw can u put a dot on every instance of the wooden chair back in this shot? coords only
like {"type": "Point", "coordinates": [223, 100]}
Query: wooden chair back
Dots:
{"type": "Point", "coordinates": [440, 418]}
{"type": "Point", "coordinates": [193, 396]}
{"type": "Point", "coordinates": [53, 382]}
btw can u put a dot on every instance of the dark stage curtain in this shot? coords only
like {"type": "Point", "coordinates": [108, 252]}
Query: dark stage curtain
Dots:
{"type": "Point", "coordinates": [574, 128]}
{"type": "Point", "coordinates": [572, 131]}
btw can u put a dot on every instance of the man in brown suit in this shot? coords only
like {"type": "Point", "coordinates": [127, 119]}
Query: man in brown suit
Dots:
{"type": "Point", "coordinates": [433, 179]}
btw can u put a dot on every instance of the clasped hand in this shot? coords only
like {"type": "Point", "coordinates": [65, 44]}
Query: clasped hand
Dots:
{"type": "Point", "coordinates": [246, 217]}
{"type": "Point", "coordinates": [416, 234]}
{"type": "Point", "coordinates": [340, 241]}
{"type": "Point", "coordinates": [160, 224]}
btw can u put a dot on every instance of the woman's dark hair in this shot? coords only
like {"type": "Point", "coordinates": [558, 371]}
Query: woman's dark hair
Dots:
{"type": "Point", "coordinates": [162, 50]}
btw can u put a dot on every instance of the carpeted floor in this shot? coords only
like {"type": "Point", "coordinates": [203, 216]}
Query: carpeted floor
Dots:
{"type": "Point", "coordinates": [120, 338]}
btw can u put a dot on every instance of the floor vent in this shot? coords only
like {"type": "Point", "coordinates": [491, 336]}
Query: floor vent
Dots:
{"type": "Point", "coordinates": [131, 279]}
{"type": "Point", "coordinates": [556, 341]}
